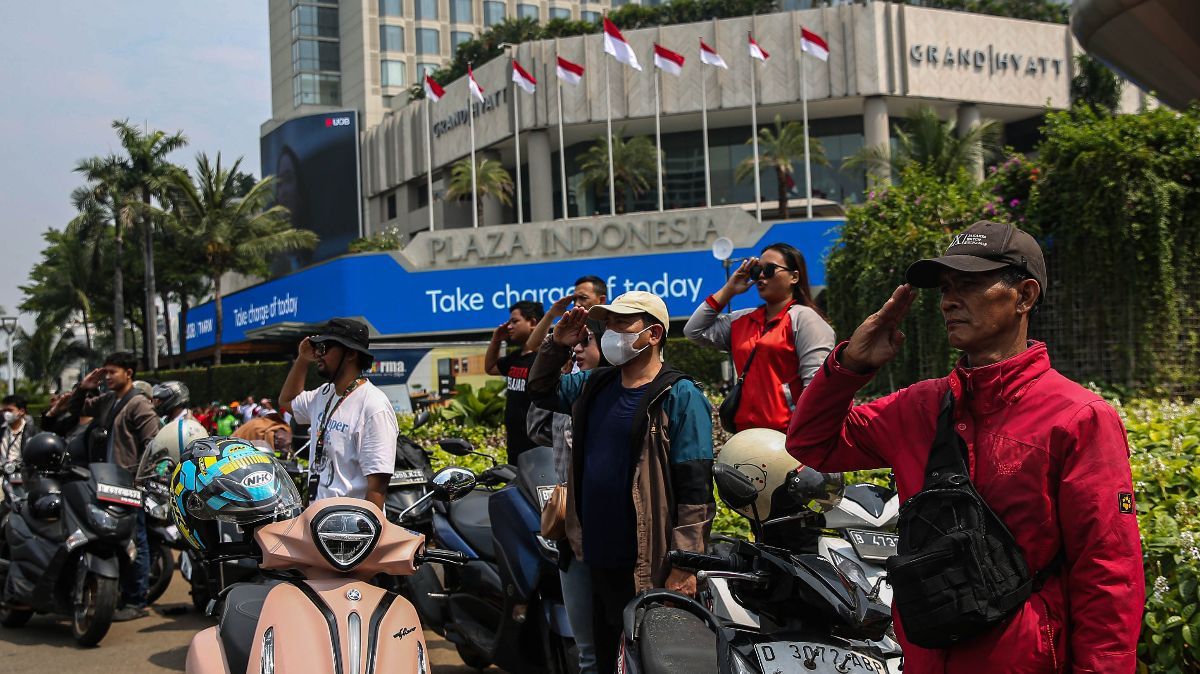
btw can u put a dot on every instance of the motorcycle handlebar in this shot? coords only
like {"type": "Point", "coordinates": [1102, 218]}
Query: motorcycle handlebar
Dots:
{"type": "Point", "coordinates": [698, 561]}
{"type": "Point", "coordinates": [441, 557]}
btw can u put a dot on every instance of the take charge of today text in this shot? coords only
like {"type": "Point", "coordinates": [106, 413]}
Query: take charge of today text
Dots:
{"type": "Point", "coordinates": [448, 301]}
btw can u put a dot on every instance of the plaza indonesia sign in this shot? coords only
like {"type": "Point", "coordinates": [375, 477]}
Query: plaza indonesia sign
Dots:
{"type": "Point", "coordinates": [949, 57]}
{"type": "Point", "coordinates": [463, 281]}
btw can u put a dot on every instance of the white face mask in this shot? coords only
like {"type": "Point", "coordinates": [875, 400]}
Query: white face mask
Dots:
{"type": "Point", "coordinates": [10, 417]}
{"type": "Point", "coordinates": [617, 347]}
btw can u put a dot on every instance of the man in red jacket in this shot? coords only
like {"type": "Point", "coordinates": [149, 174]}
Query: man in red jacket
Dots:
{"type": "Point", "coordinates": [1048, 456]}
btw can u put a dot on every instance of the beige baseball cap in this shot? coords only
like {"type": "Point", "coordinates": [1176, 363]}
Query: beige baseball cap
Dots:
{"type": "Point", "coordinates": [633, 302]}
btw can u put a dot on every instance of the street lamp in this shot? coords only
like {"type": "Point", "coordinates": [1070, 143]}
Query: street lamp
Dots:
{"type": "Point", "coordinates": [9, 325]}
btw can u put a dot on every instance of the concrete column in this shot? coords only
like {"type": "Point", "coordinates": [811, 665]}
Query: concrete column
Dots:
{"type": "Point", "coordinates": [876, 134]}
{"type": "Point", "coordinates": [968, 118]}
{"type": "Point", "coordinates": [541, 177]}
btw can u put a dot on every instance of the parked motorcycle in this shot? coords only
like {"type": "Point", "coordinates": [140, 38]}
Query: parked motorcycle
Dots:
{"type": "Point", "coordinates": [319, 612]}
{"type": "Point", "coordinates": [505, 606]}
{"type": "Point", "coordinates": [813, 617]}
{"type": "Point", "coordinates": [410, 477]}
{"type": "Point", "coordinates": [67, 540]}
{"type": "Point", "coordinates": [163, 537]}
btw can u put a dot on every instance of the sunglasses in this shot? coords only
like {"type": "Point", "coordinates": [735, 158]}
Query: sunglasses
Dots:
{"type": "Point", "coordinates": [322, 348]}
{"type": "Point", "coordinates": [767, 270]}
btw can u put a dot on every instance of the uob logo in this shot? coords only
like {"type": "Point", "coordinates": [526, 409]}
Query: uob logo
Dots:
{"type": "Point", "coordinates": [337, 121]}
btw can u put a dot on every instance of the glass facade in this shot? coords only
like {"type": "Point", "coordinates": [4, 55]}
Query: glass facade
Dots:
{"type": "Point", "coordinates": [391, 38]}
{"type": "Point", "coordinates": [592, 17]}
{"type": "Point", "coordinates": [493, 12]}
{"type": "Point", "coordinates": [458, 37]}
{"type": "Point", "coordinates": [525, 11]}
{"type": "Point", "coordinates": [391, 73]}
{"type": "Point", "coordinates": [317, 89]}
{"type": "Point", "coordinates": [428, 41]}
{"type": "Point", "coordinates": [310, 21]}
{"type": "Point", "coordinates": [425, 9]}
{"type": "Point", "coordinates": [461, 11]}
{"type": "Point", "coordinates": [315, 55]}
{"type": "Point", "coordinates": [560, 13]}
{"type": "Point", "coordinates": [391, 7]}
{"type": "Point", "coordinates": [424, 69]}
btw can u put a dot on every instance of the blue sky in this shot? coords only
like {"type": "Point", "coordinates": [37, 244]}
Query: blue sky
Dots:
{"type": "Point", "coordinates": [68, 68]}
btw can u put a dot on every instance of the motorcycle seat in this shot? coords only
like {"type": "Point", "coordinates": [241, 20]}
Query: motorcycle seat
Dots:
{"type": "Point", "coordinates": [471, 520]}
{"type": "Point", "coordinates": [239, 618]}
{"type": "Point", "coordinates": [674, 641]}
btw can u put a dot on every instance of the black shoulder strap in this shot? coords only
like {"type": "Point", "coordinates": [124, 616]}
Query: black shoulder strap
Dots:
{"type": "Point", "coordinates": [947, 455]}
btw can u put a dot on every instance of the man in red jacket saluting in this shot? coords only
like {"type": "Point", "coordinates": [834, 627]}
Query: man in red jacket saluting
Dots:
{"type": "Point", "coordinates": [1046, 455]}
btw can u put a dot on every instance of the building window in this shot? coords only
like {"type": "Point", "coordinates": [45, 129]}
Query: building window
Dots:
{"type": "Point", "coordinates": [391, 73]}
{"type": "Point", "coordinates": [652, 3]}
{"type": "Point", "coordinates": [458, 37]}
{"type": "Point", "coordinates": [424, 69]}
{"type": "Point", "coordinates": [427, 41]}
{"type": "Point", "coordinates": [391, 206]}
{"type": "Point", "coordinates": [391, 7]}
{"type": "Point", "coordinates": [391, 38]}
{"type": "Point", "coordinates": [425, 9]}
{"type": "Point", "coordinates": [317, 89]}
{"type": "Point", "coordinates": [493, 12]}
{"type": "Point", "coordinates": [618, 3]}
{"type": "Point", "coordinates": [590, 17]}
{"type": "Point", "coordinates": [461, 11]}
{"type": "Point", "coordinates": [560, 13]}
{"type": "Point", "coordinates": [793, 5]}
{"type": "Point", "coordinates": [527, 11]}
{"type": "Point", "coordinates": [308, 21]}
{"type": "Point", "coordinates": [315, 55]}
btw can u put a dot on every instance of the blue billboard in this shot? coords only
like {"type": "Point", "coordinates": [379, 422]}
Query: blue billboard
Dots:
{"type": "Point", "coordinates": [398, 302]}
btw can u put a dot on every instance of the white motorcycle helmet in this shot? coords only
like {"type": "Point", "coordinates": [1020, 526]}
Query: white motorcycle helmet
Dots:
{"type": "Point", "coordinates": [761, 455]}
{"type": "Point", "coordinates": [162, 454]}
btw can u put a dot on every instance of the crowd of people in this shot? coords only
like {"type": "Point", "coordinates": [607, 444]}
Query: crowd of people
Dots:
{"type": "Point", "coordinates": [632, 436]}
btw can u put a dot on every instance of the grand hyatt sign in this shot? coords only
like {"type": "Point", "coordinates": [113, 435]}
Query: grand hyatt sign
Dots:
{"type": "Point", "coordinates": [459, 117]}
{"type": "Point", "coordinates": [976, 60]}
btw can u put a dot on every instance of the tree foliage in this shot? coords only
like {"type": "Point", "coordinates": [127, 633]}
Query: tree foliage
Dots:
{"type": "Point", "coordinates": [1051, 11]}
{"type": "Point", "coordinates": [1095, 85]}
{"type": "Point", "coordinates": [633, 163]}
{"type": "Point", "coordinates": [922, 138]}
{"type": "Point", "coordinates": [779, 148]}
{"type": "Point", "coordinates": [491, 179]}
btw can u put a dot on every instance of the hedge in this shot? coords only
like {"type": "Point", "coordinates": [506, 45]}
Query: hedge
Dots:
{"type": "Point", "coordinates": [226, 383]}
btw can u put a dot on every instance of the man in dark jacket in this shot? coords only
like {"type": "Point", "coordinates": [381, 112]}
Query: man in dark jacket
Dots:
{"type": "Point", "coordinates": [1048, 456]}
{"type": "Point", "coordinates": [129, 418]}
{"type": "Point", "coordinates": [640, 480]}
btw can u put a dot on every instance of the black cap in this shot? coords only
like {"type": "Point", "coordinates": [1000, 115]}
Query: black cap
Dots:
{"type": "Point", "coordinates": [984, 246]}
{"type": "Point", "coordinates": [350, 333]}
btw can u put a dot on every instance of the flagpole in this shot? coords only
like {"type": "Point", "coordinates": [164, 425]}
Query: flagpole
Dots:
{"type": "Point", "coordinates": [804, 108]}
{"type": "Point", "coordinates": [612, 181]}
{"type": "Point", "coordinates": [658, 138]}
{"type": "Point", "coordinates": [754, 136]}
{"type": "Point", "coordinates": [474, 185]}
{"type": "Point", "coordinates": [562, 148]}
{"type": "Point", "coordinates": [704, 131]}
{"type": "Point", "coordinates": [429, 160]}
{"type": "Point", "coordinates": [516, 103]}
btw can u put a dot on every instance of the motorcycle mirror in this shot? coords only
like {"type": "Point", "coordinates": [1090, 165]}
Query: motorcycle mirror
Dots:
{"type": "Point", "coordinates": [421, 420]}
{"type": "Point", "coordinates": [735, 489]}
{"type": "Point", "coordinates": [452, 483]}
{"type": "Point", "coordinates": [456, 446]}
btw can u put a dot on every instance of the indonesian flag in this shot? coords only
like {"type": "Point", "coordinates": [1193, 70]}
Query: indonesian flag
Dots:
{"type": "Point", "coordinates": [667, 60]}
{"type": "Point", "coordinates": [711, 57]}
{"type": "Point", "coordinates": [476, 90]}
{"type": "Point", "coordinates": [571, 73]}
{"type": "Point", "coordinates": [523, 79]}
{"type": "Point", "coordinates": [433, 90]}
{"type": "Point", "coordinates": [615, 44]}
{"type": "Point", "coordinates": [812, 43]}
{"type": "Point", "coordinates": [757, 52]}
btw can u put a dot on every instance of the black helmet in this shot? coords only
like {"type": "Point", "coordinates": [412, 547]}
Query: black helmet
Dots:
{"type": "Point", "coordinates": [45, 451]}
{"type": "Point", "coordinates": [169, 395]}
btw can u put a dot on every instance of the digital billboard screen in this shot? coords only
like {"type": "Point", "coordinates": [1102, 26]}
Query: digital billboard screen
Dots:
{"type": "Point", "coordinates": [315, 163]}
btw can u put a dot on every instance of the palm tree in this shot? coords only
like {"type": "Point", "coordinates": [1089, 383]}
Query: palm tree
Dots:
{"type": "Point", "coordinates": [108, 190]}
{"type": "Point", "coordinates": [490, 177]}
{"type": "Point", "coordinates": [779, 148]}
{"type": "Point", "coordinates": [932, 144]}
{"type": "Point", "coordinates": [46, 352]}
{"type": "Point", "coordinates": [633, 165]}
{"type": "Point", "coordinates": [65, 277]}
{"type": "Point", "coordinates": [147, 170]}
{"type": "Point", "coordinates": [1095, 85]}
{"type": "Point", "coordinates": [237, 233]}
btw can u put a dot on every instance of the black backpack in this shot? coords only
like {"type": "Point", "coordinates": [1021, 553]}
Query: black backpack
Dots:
{"type": "Point", "coordinates": [958, 571]}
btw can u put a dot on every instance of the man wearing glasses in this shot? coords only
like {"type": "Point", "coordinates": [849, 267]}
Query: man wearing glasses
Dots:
{"type": "Point", "coordinates": [353, 426]}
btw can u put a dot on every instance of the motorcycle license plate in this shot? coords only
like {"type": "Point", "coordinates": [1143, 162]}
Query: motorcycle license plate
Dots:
{"type": "Point", "coordinates": [123, 495]}
{"type": "Point", "coordinates": [804, 657]}
{"type": "Point", "coordinates": [873, 546]}
{"type": "Point", "coordinates": [403, 477]}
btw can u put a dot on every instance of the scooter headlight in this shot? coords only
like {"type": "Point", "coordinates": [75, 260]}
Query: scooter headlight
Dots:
{"type": "Point", "coordinates": [99, 518]}
{"type": "Point", "coordinates": [851, 571]}
{"type": "Point", "coordinates": [345, 535]}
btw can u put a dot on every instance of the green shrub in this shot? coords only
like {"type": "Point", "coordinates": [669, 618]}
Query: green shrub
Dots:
{"type": "Point", "coordinates": [697, 361]}
{"type": "Point", "coordinates": [485, 408]}
{"type": "Point", "coordinates": [225, 383]}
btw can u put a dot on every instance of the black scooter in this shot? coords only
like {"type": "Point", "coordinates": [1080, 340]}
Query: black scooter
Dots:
{"type": "Point", "coordinates": [163, 537]}
{"type": "Point", "coordinates": [66, 543]}
{"type": "Point", "coordinates": [812, 617]}
{"type": "Point", "coordinates": [504, 606]}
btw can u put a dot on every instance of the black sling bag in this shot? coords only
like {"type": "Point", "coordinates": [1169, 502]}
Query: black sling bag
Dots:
{"type": "Point", "coordinates": [958, 571]}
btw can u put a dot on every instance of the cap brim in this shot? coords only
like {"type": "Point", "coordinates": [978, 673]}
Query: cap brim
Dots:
{"type": "Point", "coordinates": [927, 273]}
{"type": "Point", "coordinates": [342, 341]}
{"type": "Point", "coordinates": [600, 312]}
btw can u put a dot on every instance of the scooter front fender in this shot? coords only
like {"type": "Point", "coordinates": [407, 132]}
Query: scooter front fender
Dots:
{"type": "Point", "coordinates": [206, 655]}
{"type": "Point", "coordinates": [105, 567]}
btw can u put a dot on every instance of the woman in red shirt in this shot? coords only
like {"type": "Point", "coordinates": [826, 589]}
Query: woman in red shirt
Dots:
{"type": "Point", "coordinates": [788, 337]}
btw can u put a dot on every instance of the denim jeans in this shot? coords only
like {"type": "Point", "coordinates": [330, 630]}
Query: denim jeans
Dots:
{"type": "Point", "coordinates": [135, 578]}
{"type": "Point", "coordinates": [577, 595]}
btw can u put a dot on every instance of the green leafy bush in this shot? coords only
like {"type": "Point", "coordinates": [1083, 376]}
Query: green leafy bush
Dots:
{"type": "Point", "coordinates": [485, 408]}
{"type": "Point", "coordinates": [225, 383]}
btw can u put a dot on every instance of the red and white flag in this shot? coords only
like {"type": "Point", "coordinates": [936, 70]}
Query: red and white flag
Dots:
{"type": "Point", "coordinates": [476, 90]}
{"type": "Point", "coordinates": [758, 52]}
{"type": "Point", "coordinates": [710, 56]}
{"type": "Point", "coordinates": [523, 79]}
{"type": "Point", "coordinates": [615, 44]}
{"type": "Point", "coordinates": [811, 43]}
{"type": "Point", "coordinates": [667, 60]}
{"type": "Point", "coordinates": [433, 90]}
{"type": "Point", "coordinates": [571, 73]}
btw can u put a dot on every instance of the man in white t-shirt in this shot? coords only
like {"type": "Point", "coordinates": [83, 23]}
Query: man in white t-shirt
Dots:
{"type": "Point", "coordinates": [352, 423]}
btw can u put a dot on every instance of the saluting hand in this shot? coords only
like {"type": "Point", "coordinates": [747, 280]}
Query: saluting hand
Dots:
{"type": "Point", "coordinates": [93, 379]}
{"type": "Point", "coordinates": [306, 352]}
{"type": "Point", "coordinates": [740, 281]}
{"type": "Point", "coordinates": [878, 340]}
{"type": "Point", "coordinates": [569, 330]}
